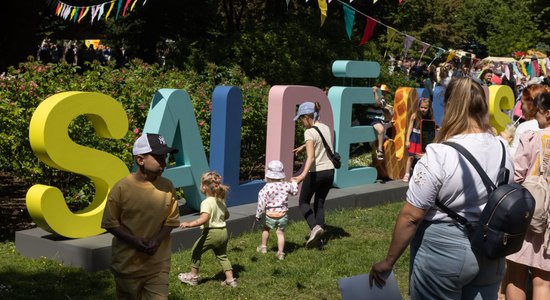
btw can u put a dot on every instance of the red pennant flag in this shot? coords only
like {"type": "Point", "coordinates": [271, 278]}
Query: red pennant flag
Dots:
{"type": "Point", "coordinates": [126, 7]}
{"type": "Point", "coordinates": [369, 29]}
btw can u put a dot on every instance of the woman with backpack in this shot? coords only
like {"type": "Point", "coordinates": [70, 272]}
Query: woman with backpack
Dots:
{"type": "Point", "coordinates": [534, 256]}
{"type": "Point", "coordinates": [443, 264]}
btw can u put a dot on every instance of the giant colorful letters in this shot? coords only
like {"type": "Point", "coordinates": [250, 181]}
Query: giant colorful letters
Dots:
{"type": "Point", "coordinates": [171, 114]}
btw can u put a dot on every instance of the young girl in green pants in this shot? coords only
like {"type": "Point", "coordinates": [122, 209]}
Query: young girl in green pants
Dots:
{"type": "Point", "coordinates": [212, 218]}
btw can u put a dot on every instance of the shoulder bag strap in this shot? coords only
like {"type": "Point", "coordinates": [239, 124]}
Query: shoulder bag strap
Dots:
{"type": "Point", "coordinates": [327, 147]}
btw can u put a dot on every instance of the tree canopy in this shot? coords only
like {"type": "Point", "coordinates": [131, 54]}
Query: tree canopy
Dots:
{"type": "Point", "coordinates": [286, 44]}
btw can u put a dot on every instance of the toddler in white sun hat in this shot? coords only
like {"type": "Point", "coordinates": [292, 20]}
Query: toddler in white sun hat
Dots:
{"type": "Point", "coordinates": [273, 201]}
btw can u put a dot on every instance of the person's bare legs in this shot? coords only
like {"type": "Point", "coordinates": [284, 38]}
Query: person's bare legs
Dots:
{"type": "Point", "coordinates": [502, 289]}
{"type": "Point", "coordinates": [229, 275]}
{"type": "Point", "coordinates": [379, 128]}
{"type": "Point", "coordinates": [541, 284]}
{"type": "Point", "coordinates": [280, 241]}
{"type": "Point", "coordinates": [516, 274]}
{"type": "Point", "coordinates": [265, 236]}
{"type": "Point", "coordinates": [408, 166]}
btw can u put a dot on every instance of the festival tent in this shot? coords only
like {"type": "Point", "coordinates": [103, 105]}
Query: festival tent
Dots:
{"type": "Point", "coordinates": [539, 54]}
{"type": "Point", "coordinates": [499, 59]}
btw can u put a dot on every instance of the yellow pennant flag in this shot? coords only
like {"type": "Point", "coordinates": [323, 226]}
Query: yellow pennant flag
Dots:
{"type": "Point", "coordinates": [110, 9]}
{"type": "Point", "coordinates": [543, 66]}
{"type": "Point", "coordinates": [323, 9]}
{"type": "Point", "coordinates": [133, 4]}
{"type": "Point", "coordinates": [523, 69]}
{"type": "Point", "coordinates": [451, 56]}
{"type": "Point", "coordinates": [72, 13]}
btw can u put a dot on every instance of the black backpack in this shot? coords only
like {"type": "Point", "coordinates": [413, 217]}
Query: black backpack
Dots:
{"type": "Point", "coordinates": [506, 217]}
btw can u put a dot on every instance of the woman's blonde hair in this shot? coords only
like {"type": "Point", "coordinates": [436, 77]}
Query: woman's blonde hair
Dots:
{"type": "Point", "coordinates": [465, 107]}
{"type": "Point", "coordinates": [212, 181]}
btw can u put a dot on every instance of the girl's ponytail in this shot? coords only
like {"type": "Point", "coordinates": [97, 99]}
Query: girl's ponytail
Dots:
{"type": "Point", "coordinates": [212, 182]}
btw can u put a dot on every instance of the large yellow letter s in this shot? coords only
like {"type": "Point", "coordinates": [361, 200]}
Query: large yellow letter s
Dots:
{"type": "Point", "coordinates": [50, 141]}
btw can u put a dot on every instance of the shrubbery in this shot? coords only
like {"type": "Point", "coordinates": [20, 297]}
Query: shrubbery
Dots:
{"type": "Point", "coordinates": [24, 88]}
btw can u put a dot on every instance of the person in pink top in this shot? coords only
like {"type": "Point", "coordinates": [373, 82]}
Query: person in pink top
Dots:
{"type": "Point", "coordinates": [534, 256]}
{"type": "Point", "coordinates": [273, 201]}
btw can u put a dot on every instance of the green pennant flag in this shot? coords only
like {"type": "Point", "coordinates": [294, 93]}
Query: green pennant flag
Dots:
{"type": "Point", "coordinates": [349, 18]}
{"type": "Point", "coordinates": [118, 9]}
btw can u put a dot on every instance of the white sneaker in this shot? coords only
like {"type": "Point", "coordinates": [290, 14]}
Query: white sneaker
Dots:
{"type": "Point", "coordinates": [314, 236]}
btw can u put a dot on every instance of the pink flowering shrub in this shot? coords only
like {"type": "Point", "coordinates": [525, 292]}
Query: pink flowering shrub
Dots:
{"type": "Point", "coordinates": [22, 89]}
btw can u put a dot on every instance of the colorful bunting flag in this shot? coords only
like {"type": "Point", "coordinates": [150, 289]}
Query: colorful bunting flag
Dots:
{"type": "Point", "coordinates": [390, 36]}
{"type": "Point", "coordinates": [451, 55]}
{"type": "Point", "coordinates": [535, 68]}
{"type": "Point", "coordinates": [369, 29]}
{"type": "Point", "coordinates": [349, 19]}
{"type": "Point", "coordinates": [126, 7]}
{"type": "Point", "coordinates": [507, 72]}
{"type": "Point", "coordinates": [425, 47]}
{"type": "Point", "coordinates": [83, 14]}
{"type": "Point", "coordinates": [110, 9]}
{"type": "Point", "coordinates": [95, 10]}
{"type": "Point", "coordinates": [408, 42]}
{"type": "Point", "coordinates": [118, 9]}
{"type": "Point", "coordinates": [101, 11]}
{"type": "Point", "coordinates": [523, 69]}
{"type": "Point", "coordinates": [389, 39]}
{"type": "Point", "coordinates": [323, 9]}
{"type": "Point", "coordinates": [516, 71]}
{"type": "Point", "coordinates": [438, 54]}
{"type": "Point", "coordinates": [135, 1]}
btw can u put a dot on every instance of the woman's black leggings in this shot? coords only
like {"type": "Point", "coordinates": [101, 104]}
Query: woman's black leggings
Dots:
{"type": "Point", "coordinates": [318, 183]}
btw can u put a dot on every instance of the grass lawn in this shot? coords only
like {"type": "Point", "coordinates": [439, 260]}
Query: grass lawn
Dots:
{"type": "Point", "coordinates": [356, 239]}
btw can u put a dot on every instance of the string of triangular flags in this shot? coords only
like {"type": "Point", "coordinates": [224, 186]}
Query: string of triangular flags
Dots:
{"type": "Point", "coordinates": [323, 7]}
{"type": "Point", "coordinates": [97, 11]}
{"type": "Point", "coordinates": [349, 19]}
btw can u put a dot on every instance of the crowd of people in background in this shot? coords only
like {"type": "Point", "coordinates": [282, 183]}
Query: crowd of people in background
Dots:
{"type": "Point", "coordinates": [516, 74]}
{"type": "Point", "coordinates": [77, 53]}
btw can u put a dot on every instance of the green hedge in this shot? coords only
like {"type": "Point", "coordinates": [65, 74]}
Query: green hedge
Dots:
{"type": "Point", "coordinates": [22, 89]}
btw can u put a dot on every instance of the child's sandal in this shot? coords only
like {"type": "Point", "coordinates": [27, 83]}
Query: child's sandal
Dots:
{"type": "Point", "coordinates": [232, 283]}
{"type": "Point", "coordinates": [188, 278]}
{"type": "Point", "coordinates": [379, 155]}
